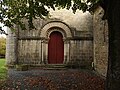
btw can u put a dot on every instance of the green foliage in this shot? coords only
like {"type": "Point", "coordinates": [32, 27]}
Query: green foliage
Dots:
{"type": "Point", "coordinates": [2, 46]}
{"type": "Point", "coordinates": [13, 11]}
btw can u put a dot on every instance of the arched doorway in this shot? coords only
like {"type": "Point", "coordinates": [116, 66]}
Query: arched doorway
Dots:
{"type": "Point", "coordinates": [55, 48]}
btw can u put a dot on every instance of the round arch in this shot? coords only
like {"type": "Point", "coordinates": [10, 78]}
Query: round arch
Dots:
{"type": "Point", "coordinates": [63, 28]}
{"type": "Point", "coordinates": [60, 30]}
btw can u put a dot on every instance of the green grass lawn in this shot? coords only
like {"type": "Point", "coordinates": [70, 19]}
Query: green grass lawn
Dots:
{"type": "Point", "coordinates": [3, 69]}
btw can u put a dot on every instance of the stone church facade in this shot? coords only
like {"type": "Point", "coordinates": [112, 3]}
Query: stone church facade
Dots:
{"type": "Point", "coordinates": [63, 39]}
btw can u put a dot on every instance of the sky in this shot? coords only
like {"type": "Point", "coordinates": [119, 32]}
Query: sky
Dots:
{"type": "Point", "coordinates": [4, 28]}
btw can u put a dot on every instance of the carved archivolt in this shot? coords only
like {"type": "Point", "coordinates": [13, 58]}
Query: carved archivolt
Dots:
{"type": "Point", "coordinates": [59, 26]}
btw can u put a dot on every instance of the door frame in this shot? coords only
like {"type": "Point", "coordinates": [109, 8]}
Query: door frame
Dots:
{"type": "Point", "coordinates": [44, 46]}
{"type": "Point", "coordinates": [45, 32]}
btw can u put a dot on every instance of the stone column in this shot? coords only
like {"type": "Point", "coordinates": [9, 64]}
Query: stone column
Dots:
{"type": "Point", "coordinates": [42, 55]}
{"type": "Point", "coordinates": [46, 51]}
{"type": "Point", "coordinates": [66, 52]}
{"type": "Point", "coordinates": [11, 46]}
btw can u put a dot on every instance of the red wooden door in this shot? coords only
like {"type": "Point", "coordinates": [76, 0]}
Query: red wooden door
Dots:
{"type": "Point", "coordinates": [56, 48]}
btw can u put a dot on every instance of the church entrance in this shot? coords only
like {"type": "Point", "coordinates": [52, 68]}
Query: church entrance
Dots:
{"type": "Point", "coordinates": [55, 48]}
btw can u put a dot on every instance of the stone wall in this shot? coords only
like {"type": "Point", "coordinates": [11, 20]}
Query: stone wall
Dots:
{"type": "Point", "coordinates": [31, 46]}
{"type": "Point", "coordinates": [81, 53]}
{"type": "Point", "coordinates": [80, 21]}
{"type": "Point", "coordinates": [100, 42]}
{"type": "Point", "coordinates": [29, 51]}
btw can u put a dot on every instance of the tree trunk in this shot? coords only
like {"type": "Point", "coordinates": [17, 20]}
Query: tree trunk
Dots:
{"type": "Point", "coordinates": [113, 74]}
